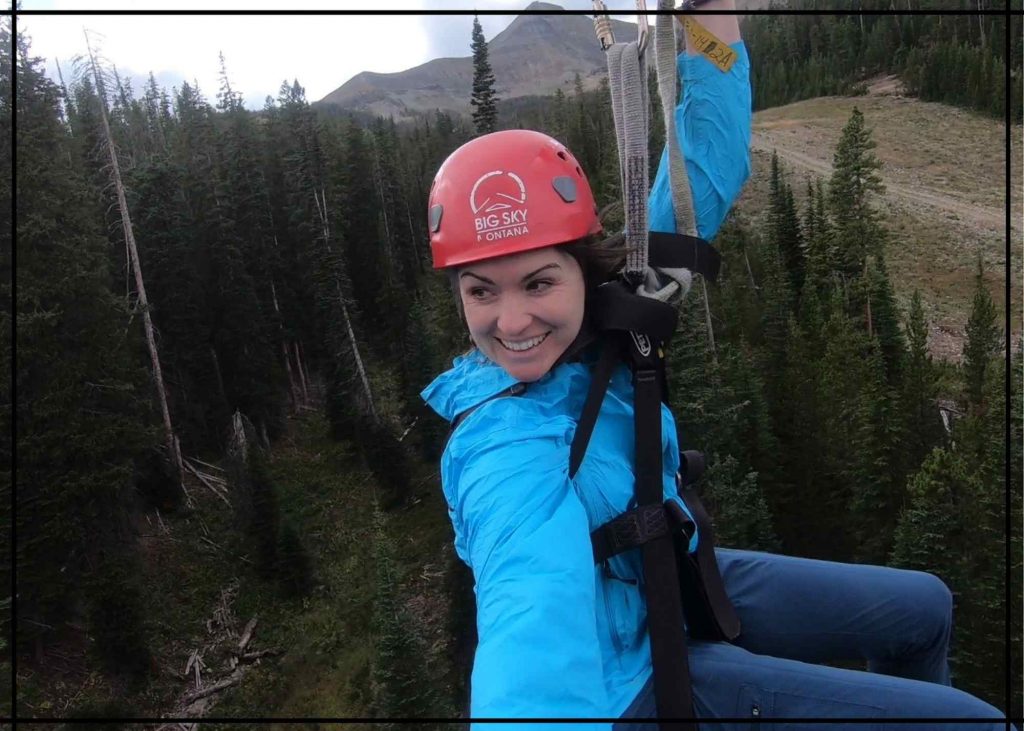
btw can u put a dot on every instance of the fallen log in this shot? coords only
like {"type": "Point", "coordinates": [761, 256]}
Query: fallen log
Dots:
{"type": "Point", "coordinates": [251, 656]}
{"type": "Point", "coordinates": [246, 635]}
{"type": "Point", "coordinates": [215, 688]}
{"type": "Point", "coordinates": [191, 660]}
{"type": "Point", "coordinates": [202, 479]}
{"type": "Point", "coordinates": [206, 464]}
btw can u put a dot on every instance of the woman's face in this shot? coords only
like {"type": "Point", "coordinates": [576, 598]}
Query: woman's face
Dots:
{"type": "Point", "coordinates": [524, 310]}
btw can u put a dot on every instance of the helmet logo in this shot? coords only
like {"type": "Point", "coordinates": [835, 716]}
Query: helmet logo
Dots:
{"type": "Point", "coordinates": [498, 201]}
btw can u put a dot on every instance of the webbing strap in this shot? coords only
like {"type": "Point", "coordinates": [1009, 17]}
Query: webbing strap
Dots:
{"type": "Point", "coordinates": [669, 659]}
{"type": "Point", "coordinates": [628, 84]}
{"type": "Point", "coordinates": [592, 406]}
{"type": "Point", "coordinates": [710, 611]}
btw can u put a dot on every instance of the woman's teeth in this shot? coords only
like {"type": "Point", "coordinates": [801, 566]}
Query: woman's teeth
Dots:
{"type": "Point", "coordinates": [522, 345]}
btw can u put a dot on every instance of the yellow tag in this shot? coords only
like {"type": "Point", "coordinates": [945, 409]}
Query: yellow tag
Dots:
{"type": "Point", "coordinates": [714, 50]}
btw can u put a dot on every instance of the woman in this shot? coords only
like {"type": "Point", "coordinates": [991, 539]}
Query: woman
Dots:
{"type": "Point", "coordinates": [514, 224]}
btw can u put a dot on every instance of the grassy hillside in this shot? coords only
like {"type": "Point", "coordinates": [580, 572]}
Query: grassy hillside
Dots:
{"type": "Point", "coordinates": [944, 170]}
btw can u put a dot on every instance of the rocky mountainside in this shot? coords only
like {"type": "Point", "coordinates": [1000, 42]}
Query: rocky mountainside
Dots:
{"type": "Point", "coordinates": [534, 55]}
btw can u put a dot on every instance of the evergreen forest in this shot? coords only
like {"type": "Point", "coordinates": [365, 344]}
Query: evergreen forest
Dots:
{"type": "Point", "coordinates": [227, 499]}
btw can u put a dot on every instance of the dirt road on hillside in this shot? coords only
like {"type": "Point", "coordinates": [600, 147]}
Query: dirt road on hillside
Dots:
{"type": "Point", "coordinates": [991, 220]}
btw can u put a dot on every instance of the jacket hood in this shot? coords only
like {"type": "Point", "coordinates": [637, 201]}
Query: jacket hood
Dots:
{"type": "Point", "coordinates": [472, 379]}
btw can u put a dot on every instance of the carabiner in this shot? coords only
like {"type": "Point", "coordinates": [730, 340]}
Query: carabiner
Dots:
{"type": "Point", "coordinates": [603, 25]}
{"type": "Point", "coordinates": [642, 33]}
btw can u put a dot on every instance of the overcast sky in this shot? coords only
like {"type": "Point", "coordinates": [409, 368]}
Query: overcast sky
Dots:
{"type": "Point", "coordinates": [321, 52]}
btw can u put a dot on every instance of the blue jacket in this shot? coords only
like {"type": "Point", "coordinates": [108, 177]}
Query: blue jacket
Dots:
{"type": "Point", "coordinates": [558, 636]}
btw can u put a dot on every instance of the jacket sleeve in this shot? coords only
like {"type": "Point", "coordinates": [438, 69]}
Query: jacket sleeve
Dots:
{"type": "Point", "coordinates": [713, 129]}
{"type": "Point", "coordinates": [525, 535]}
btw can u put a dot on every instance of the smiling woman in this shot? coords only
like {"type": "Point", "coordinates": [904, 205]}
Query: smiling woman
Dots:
{"type": "Point", "coordinates": [562, 619]}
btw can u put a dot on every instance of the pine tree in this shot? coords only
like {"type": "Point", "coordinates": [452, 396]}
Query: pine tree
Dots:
{"type": "Point", "coordinates": [84, 409]}
{"type": "Point", "coordinates": [484, 100]}
{"type": "Point", "coordinates": [983, 340]}
{"type": "Point", "coordinates": [741, 514]}
{"type": "Point", "coordinates": [1016, 567]}
{"type": "Point", "coordinates": [777, 303]}
{"type": "Point", "coordinates": [954, 526]}
{"type": "Point", "coordinates": [882, 318]}
{"type": "Point", "coordinates": [6, 356]}
{"type": "Point", "coordinates": [784, 227]}
{"type": "Point", "coordinates": [857, 232]}
{"type": "Point", "coordinates": [243, 332]}
{"type": "Point", "coordinates": [116, 181]}
{"type": "Point", "coordinates": [857, 454]}
{"type": "Point", "coordinates": [797, 418]}
{"type": "Point", "coordinates": [922, 427]}
{"type": "Point", "coordinates": [398, 667]}
{"type": "Point", "coordinates": [253, 497]}
{"type": "Point", "coordinates": [930, 526]}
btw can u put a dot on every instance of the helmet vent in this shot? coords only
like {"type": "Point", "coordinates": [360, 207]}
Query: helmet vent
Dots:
{"type": "Point", "coordinates": [561, 154]}
{"type": "Point", "coordinates": [435, 217]}
{"type": "Point", "coordinates": [565, 187]}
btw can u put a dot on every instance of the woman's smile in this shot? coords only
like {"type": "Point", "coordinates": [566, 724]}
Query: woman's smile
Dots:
{"type": "Point", "coordinates": [523, 346]}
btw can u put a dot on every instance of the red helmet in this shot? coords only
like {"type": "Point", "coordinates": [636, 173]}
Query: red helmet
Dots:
{"type": "Point", "coordinates": [507, 192]}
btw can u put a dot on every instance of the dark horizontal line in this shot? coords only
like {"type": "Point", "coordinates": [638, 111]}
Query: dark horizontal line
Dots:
{"type": "Point", "coordinates": [441, 719]}
{"type": "Point", "coordinates": [588, 13]}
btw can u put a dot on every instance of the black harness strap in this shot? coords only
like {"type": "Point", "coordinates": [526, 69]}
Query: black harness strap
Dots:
{"type": "Point", "coordinates": [669, 658]}
{"type": "Point", "coordinates": [709, 611]}
{"type": "Point", "coordinates": [676, 251]}
{"type": "Point", "coordinates": [592, 406]}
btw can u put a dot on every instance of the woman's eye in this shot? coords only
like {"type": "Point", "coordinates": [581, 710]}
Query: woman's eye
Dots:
{"type": "Point", "coordinates": [476, 293]}
{"type": "Point", "coordinates": [538, 285]}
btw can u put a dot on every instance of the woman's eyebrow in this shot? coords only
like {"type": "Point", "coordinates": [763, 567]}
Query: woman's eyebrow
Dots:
{"type": "Point", "coordinates": [538, 271]}
{"type": "Point", "coordinates": [471, 274]}
{"type": "Point", "coordinates": [532, 274]}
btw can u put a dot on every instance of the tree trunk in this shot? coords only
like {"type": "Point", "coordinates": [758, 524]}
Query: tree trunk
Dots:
{"type": "Point", "coordinates": [413, 238]}
{"type": "Point", "coordinates": [355, 354]}
{"type": "Point", "coordinates": [294, 389]}
{"type": "Point", "coordinates": [707, 317]}
{"type": "Point", "coordinates": [750, 272]}
{"type": "Point", "coordinates": [867, 299]}
{"type": "Point", "coordinates": [322, 210]}
{"type": "Point", "coordinates": [173, 452]}
{"type": "Point", "coordinates": [302, 374]}
{"type": "Point", "coordinates": [379, 181]}
{"type": "Point", "coordinates": [220, 379]}
{"type": "Point", "coordinates": [981, 25]}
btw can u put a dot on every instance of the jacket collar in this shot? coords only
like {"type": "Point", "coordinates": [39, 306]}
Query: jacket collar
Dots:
{"type": "Point", "coordinates": [472, 379]}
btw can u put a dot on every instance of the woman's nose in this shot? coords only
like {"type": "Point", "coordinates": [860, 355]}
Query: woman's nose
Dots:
{"type": "Point", "coordinates": [513, 318]}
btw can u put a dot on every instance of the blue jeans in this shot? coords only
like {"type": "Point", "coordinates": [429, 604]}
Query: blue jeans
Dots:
{"type": "Point", "coordinates": [795, 612]}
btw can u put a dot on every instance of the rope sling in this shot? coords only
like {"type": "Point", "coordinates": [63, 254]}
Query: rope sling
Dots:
{"type": "Point", "coordinates": [658, 271]}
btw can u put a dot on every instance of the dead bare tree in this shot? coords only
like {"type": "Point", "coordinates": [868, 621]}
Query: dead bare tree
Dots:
{"type": "Point", "coordinates": [321, 207]}
{"type": "Point", "coordinates": [173, 451]}
{"type": "Point", "coordinates": [284, 349]}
